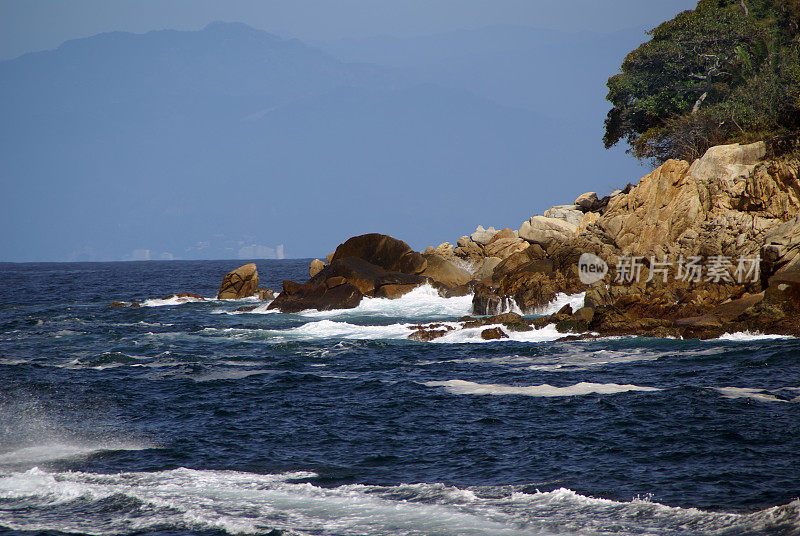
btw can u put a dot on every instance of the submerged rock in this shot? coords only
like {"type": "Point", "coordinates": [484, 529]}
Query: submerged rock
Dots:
{"type": "Point", "coordinates": [493, 334]}
{"type": "Point", "coordinates": [427, 333]}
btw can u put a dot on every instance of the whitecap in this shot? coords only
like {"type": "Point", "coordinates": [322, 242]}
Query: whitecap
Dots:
{"type": "Point", "coordinates": [328, 329]}
{"type": "Point", "coordinates": [761, 395]}
{"type": "Point", "coordinates": [462, 387]}
{"type": "Point", "coordinates": [422, 302]}
{"type": "Point", "coordinates": [473, 335]}
{"type": "Point", "coordinates": [173, 300]}
{"type": "Point", "coordinates": [750, 336]}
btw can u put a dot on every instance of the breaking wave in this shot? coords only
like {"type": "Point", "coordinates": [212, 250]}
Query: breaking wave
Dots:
{"type": "Point", "coordinates": [750, 336]}
{"type": "Point", "coordinates": [573, 300]}
{"type": "Point", "coordinates": [235, 502]}
{"type": "Point", "coordinates": [422, 302]}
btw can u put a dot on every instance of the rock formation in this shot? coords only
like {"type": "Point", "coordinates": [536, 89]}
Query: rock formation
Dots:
{"type": "Point", "coordinates": [736, 204]}
{"type": "Point", "coordinates": [733, 204]}
{"type": "Point", "coordinates": [368, 265]}
{"type": "Point", "coordinates": [315, 267]}
{"type": "Point", "coordinates": [239, 283]}
{"type": "Point", "coordinates": [382, 250]}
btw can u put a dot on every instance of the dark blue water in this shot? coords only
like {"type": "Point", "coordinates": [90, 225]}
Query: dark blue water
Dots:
{"type": "Point", "coordinates": [192, 418]}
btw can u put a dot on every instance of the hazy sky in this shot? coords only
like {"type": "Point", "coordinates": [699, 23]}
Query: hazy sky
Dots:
{"type": "Point", "coordinates": [33, 25]}
{"type": "Point", "coordinates": [228, 142]}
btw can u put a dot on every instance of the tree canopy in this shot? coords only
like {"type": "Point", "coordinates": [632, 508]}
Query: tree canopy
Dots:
{"type": "Point", "coordinates": [727, 71]}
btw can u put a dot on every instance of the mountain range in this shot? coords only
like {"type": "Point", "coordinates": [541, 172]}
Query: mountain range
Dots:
{"type": "Point", "coordinates": [227, 141]}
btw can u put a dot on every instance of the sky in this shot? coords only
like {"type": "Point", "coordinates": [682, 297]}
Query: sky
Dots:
{"type": "Point", "coordinates": [381, 116]}
{"type": "Point", "coordinates": [34, 25]}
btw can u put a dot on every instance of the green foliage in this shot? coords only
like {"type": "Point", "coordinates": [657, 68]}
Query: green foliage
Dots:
{"type": "Point", "coordinates": [727, 71]}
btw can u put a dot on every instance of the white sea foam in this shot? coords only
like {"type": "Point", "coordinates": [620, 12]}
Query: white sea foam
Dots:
{"type": "Point", "coordinates": [462, 387]}
{"type": "Point", "coordinates": [422, 302]}
{"type": "Point", "coordinates": [54, 451]}
{"type": "Point", "coordinates": [172, 300]}
{"type": "Point", "coordinates": [327, 329]}
{"type": "Point", "coordinates": [193, 500]}
{"type": "Point", "coordinates": [785, 394]}
{"type": "Point", "coordinates": [750, 336]}
{"type": "Point", "coordinates": [473, 335]}
{"type": "Point", "coordinates": [573, 300]}
{"type": "Point", "coordinates": [331, 329]}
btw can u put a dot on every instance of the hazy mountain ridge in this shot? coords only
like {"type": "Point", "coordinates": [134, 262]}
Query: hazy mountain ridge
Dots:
{"type": "Point", "coordinates": [202, 144]}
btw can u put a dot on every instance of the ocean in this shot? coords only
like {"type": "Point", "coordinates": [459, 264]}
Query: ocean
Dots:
{"type": "Point", "coordinates": [189, 417]}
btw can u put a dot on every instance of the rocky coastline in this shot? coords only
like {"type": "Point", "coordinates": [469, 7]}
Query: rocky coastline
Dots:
{"type": "Point", "coordinates": [693, 250]}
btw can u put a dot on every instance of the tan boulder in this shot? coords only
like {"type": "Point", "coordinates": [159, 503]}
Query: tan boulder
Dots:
{"type": "Point", "coordinates": [315, 267]}
{"type": "Point", "coordinates": [239, 283]}
{"type": "Point", "coordinates": [590, 218]}
{"type": "Point", "coordinates": [533, 253]}
{"type": "Point", "coordinates": [445, 249]}
{"type": "Point", "coordinates": [546, 231]}
{"type": "Point", "coordinates": [486, 269]}
{"type": "Point", "coordinates": [568, 213]}
{"type": "Point", "coordinates": [393, 292]}
{"type": "Point", "coordinates": [505, 247]}
{"type": "Point", "coordinates": [501, 234]}
{"type": "Point", "coordinates": [483, 236]}
{"type": "Point", "coordinates": [664, 205]}
{"type": "Point", "coordinates": [727, 163]}
{"type": "Point", "coordinates": [781, 251]}
{"type": "Point", "coordinates": [588, 201]}
{"type": "Point", "coordinates": [470, 251]}
{"type": "Point", "coordinates": [445, 271]}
